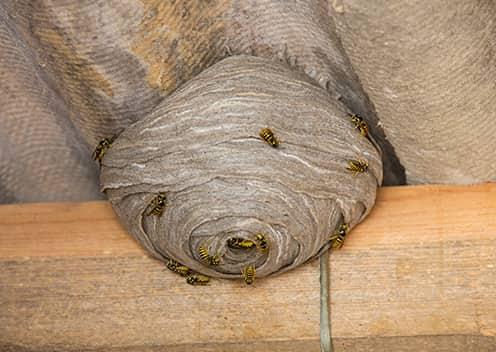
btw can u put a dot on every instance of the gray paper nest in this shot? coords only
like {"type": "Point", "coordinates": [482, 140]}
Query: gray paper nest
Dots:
{"type": "Point", "coordinates": [201, 147]}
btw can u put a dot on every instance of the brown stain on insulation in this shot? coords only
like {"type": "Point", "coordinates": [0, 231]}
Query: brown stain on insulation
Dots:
{"type": "Point", "coordinates": [179, 39]}
{"type": "Point", "coordinates": [75, 76]}
{"type": "Point", "coordinates": [73, 68]}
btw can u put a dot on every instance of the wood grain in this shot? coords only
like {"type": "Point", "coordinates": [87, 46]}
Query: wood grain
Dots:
{"type": "Point", "coordinates": [418, 275]}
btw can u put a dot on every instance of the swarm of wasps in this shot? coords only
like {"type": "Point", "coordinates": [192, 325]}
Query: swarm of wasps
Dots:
{"type": "Point", "coordinates": [157, 205]}
{"type": "Point", "coordinates": [248, 272]}
{"type": "Point", "coordinates": [358, 166]}
{"type": "Point", "coordinates": [191, 278]}
{"type": "Point", "coordinates": [178, 268]}
{"type": "Point", "coordinates": [260, 243]}
{"type": "Point", "coordinates": [194, 279]}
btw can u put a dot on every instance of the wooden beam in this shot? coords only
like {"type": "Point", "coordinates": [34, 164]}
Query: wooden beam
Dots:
{"type": "Point", "coordinates": [418, 275]}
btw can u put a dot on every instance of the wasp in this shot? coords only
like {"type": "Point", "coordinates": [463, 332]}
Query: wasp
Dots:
{"type": "Point", "coordinates": [357, 166]}
{"type": "Point", "coordinates": [249, 274]}
{"type": "Point", "coordinates": [215, 260]}
{"type": "Point", "coordinates": [337, 238]}
{"type": "Point", "coordinates": [268, 136]}
{"type": "Point", "coordinates": [102, 148]}
{"type": "Point", "coordinates": [206, 257]}
{"type": "Point", "coordinates": [197, 280]}
{"type": "Point", "coordinates": [157, 205]}
{"type": "Point", "coordinates": [262, 242]}
{"type": "Point", "coordinates": [178, 268]}
{"type": "Point", "coordinates": [240, 243]}
{"type": "Point", "coordinates": [360, 124]}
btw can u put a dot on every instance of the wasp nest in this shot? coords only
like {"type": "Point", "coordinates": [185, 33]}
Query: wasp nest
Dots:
{"type": "Point", "coordinates": [196, 173]}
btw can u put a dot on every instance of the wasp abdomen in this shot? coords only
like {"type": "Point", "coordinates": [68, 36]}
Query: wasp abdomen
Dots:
{"type": "Point", "coordinates": [249, 274]}
{"type": "Point", "coordinates": [337, 238]}
{"type": "Point", "coordinates": [268, 136]}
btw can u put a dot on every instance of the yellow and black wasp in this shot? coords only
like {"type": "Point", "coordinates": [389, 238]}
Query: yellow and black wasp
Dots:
{"type": "Point", "coordinates": [249, 274]}
{"type": "Point", "coordinates": [268, 136]}
{"type": "Point", "coordinates": [157, 205]}
{"type": "Point", "coordinates": [240, 243]}
{"type": "Point", "coordinates": [102, 148]}
{"type": "Point", "coordinates": [198, 280]}
{"type": "Point", "coordinates": [207, 258]}
{"type": "Point", "coordinates": [178, 268]}
{"type": "Point", "coordinates": [337, 238]}
{"type": "Point", "coordinates": [357, 166]}
{"type": "Point", "coordinates": [360, 124]}
{"type": "Point", "coordinates": [263, 245]}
